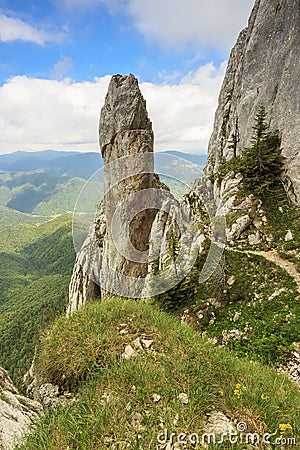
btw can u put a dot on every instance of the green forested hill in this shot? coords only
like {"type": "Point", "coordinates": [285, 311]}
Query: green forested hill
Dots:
{"type": "Point", "coordinates": [10, 216]}
{"type": "Point", "coordinates": [35, 267]}
{"type": "Point", "coordinates": [39, 193]}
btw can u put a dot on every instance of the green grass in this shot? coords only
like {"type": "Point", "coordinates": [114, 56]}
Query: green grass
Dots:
{"type": "Point", "coordinates": [83, 353]}
{"type": "Point", "coordinates": [282, 217]}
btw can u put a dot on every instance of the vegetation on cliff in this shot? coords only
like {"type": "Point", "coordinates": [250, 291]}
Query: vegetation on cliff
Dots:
{"type": "Point", "coordinates": [261, 165]}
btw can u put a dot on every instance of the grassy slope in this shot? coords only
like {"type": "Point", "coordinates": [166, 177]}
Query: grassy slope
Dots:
{"type": "Point", "coordinates": [84, 354]}
{"type": "Point", "coordinates": [36, 263]}
{"type": "Point", "coordinates": [247, 293]}
{"type": "Point", "coordinates": [260, 302]}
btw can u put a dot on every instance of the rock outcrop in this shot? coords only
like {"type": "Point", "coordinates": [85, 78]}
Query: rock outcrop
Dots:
{"type": "Point", "coordinates": [263, 69]}
{"type": "Point", "coordinates": [114, 256]}
{"type": "Point", "coordinates": [126, 143]}
{"type": "Point", "coordinates": [140, 224]}
{"type": "Point", "coordinates": [16, 413]}
{"type": "Point", "coordinates": [83, 286]}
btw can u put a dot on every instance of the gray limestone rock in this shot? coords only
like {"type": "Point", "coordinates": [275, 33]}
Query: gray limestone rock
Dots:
{"type": "Point", "coordinates": [50, 396]}
{"type": "Point", "coordinates": [139, 221]}
{"type": "Point", "coordinates": [111, 261]}
{"type": "Point", "coordinates": [126, 143]}
{"type": "Point", "coordinates": [124, 110]}
{"type": "Point", "coordinates": [86, 271]}
{"type": "Point", "coordinates": [254, 239]}
{"type": "Point", "coordinates": [218, 423]}
{"type": "Point", "coordinates": [264, 69]}
{"type": "Point", "coordinates": [236, 230]}
{"type": "Point", "coordinates": [289, 236]}
{"type": "Point", "coordinates": [17, 413]}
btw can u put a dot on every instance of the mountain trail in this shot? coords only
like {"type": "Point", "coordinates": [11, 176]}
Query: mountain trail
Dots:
{"type": "Point", "coordinates": [273, 256]}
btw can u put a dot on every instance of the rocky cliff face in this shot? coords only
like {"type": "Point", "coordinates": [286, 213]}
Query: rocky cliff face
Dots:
{"type": "Point", "coordinates": [16, 413]}
{"type": "Point", "coordinates": [264, 69]}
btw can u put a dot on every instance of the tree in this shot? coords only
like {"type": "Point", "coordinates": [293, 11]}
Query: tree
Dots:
{"type": "Point", "coordinates": [261, 165]}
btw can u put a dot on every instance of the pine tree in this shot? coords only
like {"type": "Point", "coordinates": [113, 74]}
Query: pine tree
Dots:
{"type": "Point", "coordinates": [261, 165]}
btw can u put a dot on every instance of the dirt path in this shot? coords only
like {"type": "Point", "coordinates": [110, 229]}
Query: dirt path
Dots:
{"type": "Point", "coordinates": [272, 256]}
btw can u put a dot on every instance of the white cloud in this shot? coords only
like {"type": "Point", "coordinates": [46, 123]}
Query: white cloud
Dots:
{"type": "Point", "coordinates": [176, 23]}
{"type": "Point", "coordinates": [205, 23]}
{"type": "Point", "coordinates": [42, 114]}
{"type": "Point", "coordinates": [182, 114]}
{"type": "Point", "coordinates": [62, 67]}
{"type": "Point", "coordinates": [13, 29]}
{"type": "Point", "coordinates": [37, 114]}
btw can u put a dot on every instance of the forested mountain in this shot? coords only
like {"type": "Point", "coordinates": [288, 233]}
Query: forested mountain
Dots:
{"type": "Point", "coordinates": [36, 264]}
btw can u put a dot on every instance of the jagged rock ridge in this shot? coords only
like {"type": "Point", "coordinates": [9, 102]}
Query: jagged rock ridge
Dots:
{"type": "Point", "coordinates": [263, 69]}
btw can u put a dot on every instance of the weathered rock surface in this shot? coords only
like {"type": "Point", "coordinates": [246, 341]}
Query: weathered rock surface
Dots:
{"type": "Point", "coordinates": [264, 69]}
{"type": "Point", "coordinates": [86, 271]}
{"type": "Point", "coordinates": [219, 424]}
{"type": "Point", "coordinates": [16, 413]}
{"type": "Point", "coordinates": [110, 258]}
{"type": "Point", "coordinates": [50, 396]}
{"type": "Point", "coordinates": [47, 395]}
{"type": "Point", "coordinates": [174, 244]}
{"type": "Point", "coordinates": [126, 143]}
{"type": "Point", "coordinates": [140, 223]}
{"type": "Point", "coordinates": [292, 366]}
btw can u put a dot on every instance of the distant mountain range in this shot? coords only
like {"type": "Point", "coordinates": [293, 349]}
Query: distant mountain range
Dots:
{"type": "Point", "coordinates": [55, 163]}
{"type": "Point", "coordinates": [48, 182]}
{"type": "Point", "coordinates": [39, 193]}
{"type": "Point", "coordinates": [200, 160]}
{"type": "Point", "coordinates": [72, 164]}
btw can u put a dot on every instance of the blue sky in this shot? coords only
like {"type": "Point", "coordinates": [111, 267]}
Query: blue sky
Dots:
{"type": "Point", "coordinates": [56, 58]}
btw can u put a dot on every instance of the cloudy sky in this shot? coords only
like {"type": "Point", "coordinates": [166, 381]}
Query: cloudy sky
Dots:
{"type": "Point", "coordinates": [57, 56]}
